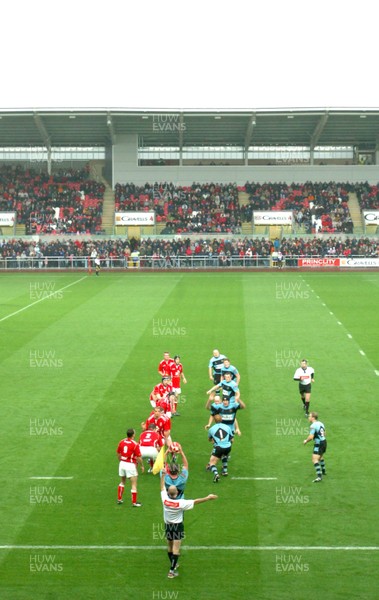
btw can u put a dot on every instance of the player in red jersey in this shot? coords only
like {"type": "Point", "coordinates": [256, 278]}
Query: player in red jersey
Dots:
{"type": "Point", "coordinates": [162, 422]}
{"type": "Point", "coordinates": [164, 367]}
{"type": "Point", "coordinates": [150, 442]}
{"type": "Point", "coordinates": [129, 454]}
{"type": "Point", "coordinates": [176, 375]}
{"type": "Point", "coordinates": [161, 390]}
{"type": "Point", "coordinates": [167, 404]}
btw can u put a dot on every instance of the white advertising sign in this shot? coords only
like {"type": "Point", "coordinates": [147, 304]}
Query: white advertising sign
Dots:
{"type": "Point", "coordinates": [272, 217]}
{"type": "Point", "coordinates": [135, 218]}
{"type": "Point", "coordinates": [359, 262]}
{"type": "Point", "coordinates": [371, 217]}
{"type": "Point", "coordinates": [7, 219]}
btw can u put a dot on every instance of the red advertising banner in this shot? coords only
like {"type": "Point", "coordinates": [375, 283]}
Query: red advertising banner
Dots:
{"type": "Point", "coordinates": [318, 262]}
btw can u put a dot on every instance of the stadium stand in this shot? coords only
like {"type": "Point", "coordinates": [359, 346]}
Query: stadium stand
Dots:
{"type": "Point", "coordinates": [66, 202]}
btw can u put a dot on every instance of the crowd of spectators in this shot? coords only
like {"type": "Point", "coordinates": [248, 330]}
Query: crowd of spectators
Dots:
{"type": "Point", "coordinates": [70, 202]}
{"type": "Point", "coordinates": [65, 202]}
{"type": "Point", "coordinates": [368, 196]}
{"type": "Point", "coordinates": [215, 208]}
{"type": "Point", "coordinates": [23, 253]}
{"type": "Point", "coordinates": [198, 208]}
{"type": "Point", "coordinates": [317, 207]}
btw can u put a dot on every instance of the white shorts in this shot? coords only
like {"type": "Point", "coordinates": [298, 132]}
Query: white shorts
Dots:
{"type": "Point", "coordinates": [177, 390]}
{"type": "Point", "coordinates": [127, 469]}
{"type": "Point", "coordinates": [149, 452]}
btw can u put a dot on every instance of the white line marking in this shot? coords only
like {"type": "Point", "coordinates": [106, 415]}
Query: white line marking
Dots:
{"type": "Point", "coordinates": [257, 478]}
{"type": "Point", "coordinates": [322, 304]}
{"type": "Point", "coordinates": [330, 313]}
{"type": "Point", "coordinates": [195, 548]}
{"type": "Point", "coordinates": [41, 299]}
{"type": "Point", "coordinates": [339, 322]}
{"type": "Point", "coordinates": [51, 478]}
{"type": "Point", "coordinates": [361, 352]}
{"type": "Point", "coordinates": [349, 336]}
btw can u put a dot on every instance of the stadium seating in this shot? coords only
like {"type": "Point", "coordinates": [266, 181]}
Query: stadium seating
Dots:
{"type": "Point", "coordinates": [66, 202]}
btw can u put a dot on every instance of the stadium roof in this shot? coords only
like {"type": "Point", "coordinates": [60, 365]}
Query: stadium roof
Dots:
{"type": "Point", "coordinates": [282, 127]}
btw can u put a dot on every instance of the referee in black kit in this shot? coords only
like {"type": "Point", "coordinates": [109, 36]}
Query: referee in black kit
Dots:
{"type": "Point", "coordinates": [305, 375]}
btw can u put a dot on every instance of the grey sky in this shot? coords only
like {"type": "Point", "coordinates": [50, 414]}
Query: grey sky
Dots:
{"type": "Point", "coordinates": [188, 55]}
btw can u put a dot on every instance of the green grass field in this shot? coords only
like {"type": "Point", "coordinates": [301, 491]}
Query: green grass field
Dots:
{"type": "Point", "coordinates": [79, 358]}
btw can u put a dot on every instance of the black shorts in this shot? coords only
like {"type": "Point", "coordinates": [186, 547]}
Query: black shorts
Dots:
{"type": "Point", "coordinates": [320, 448]}
{"type": "Point", "coordinates": [174, 531]}
{"type": "Point", "coordinates": [216, 378]}
{"type": "Point", "coordinates": [219, 452]}
{"type": "Point", "coordinates": [305, 389]}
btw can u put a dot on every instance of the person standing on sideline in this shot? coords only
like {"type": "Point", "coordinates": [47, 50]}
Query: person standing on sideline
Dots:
{"type": "Point", "coordinates": [173, 509]}
{"type": "Point", "coordinates": [97, 265]}
{"type": "Point", "coordinates": [318, 436]}
{"type": "Point", "coordinates": [129, 454]}
{"type": "Point", "coordinates": [305, 375]}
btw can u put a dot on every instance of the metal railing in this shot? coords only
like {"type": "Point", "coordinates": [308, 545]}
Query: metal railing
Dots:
{"type": "Point", "coordinates": [152, 262]}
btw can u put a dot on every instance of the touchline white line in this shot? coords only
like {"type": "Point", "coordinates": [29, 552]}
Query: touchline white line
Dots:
{"type": "Point", "coordinates": [195, 548]}
{"type": "Point", "coordinates": [256, 478]}
{"type": "Point", "coordinates": [41, 299]}
{"type": "Point", "coordinates": [51, 478]}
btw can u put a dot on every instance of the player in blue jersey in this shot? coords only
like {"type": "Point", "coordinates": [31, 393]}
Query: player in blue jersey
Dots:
{"type": "Point", "coordinates": [228, 368]}
{"type": "Point", "coordinates": [228, 388]}
{"type": "Point", "coordinates": [228, 411]}
{"type": "Point", "coordinates": [214, 366]}
{"type": "Point", "coordinates": [176, 476]}
{"type": "Point", "coordinates": [214, 409]}
{"type": "Point", "coordinates": [318, 436]}
{"type": "Point", "coordinates": [221, 437]}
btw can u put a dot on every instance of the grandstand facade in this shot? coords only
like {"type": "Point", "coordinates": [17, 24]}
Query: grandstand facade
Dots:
{"type": "Point", "coordinates": [154, 157]}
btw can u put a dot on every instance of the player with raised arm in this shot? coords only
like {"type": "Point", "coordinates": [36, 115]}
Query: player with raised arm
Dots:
{"type": "Point", "coordinates": [173, 509]}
